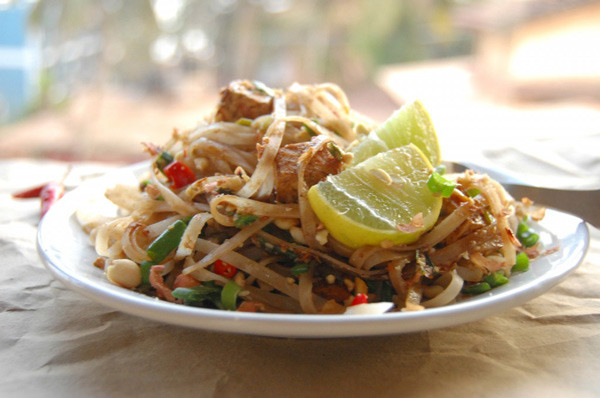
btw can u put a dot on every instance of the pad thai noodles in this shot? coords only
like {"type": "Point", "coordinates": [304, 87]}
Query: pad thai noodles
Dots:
{"type": "Point", "coordinates": [222, 219]}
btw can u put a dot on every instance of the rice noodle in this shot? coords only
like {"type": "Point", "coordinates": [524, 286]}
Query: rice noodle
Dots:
{"type": "Point", "coordinates": [449, 294]}
{"type": "Point", "coordinates": [283, 303]}
{"type": "Point", "coordinates": [221, 152]}
{"type": "Point", "coordinates": [175, 202]}
{"type": "Point", "coordinates": [454, 251]}
{"type": "Point", "coordinates": [250, 206]}
{"type": "Point", "coordinates": [441, 230]}
{"type": "Point", "coordinates": [236, 186]}
{"type": "Point", "coordinates": [109, 235]}
{"type": "Point", "coordinates": [305, 296]}
{"type": "Point", "coordinates": [413, 298]}
{"type": "Point", "coordinates": [382, 256]}
{"type": "Point", "coordinates": [368, 257]}
{"type": "Point", "coordinates": [193, 230]}
{"type": "Point", "coordinates": [129, 242]}
{"type": "Point", "coordinates": [334, 262]}
{"type": "Point", "coordinates": [230, 134]}
{"type": "Point", "coordinates": [262, 178]}
{"type": "Point", "coordinates": [202, 274]}
{"type": "Point", "coordinates": [230, 244]}
{"type": "Point", "coordinates": [489, 265]}
{"type": "Point", "coordinates": [307, 216]}
{"type": "Point", "coordinates": [469, 274]}
{"type": "Point", "coordinates": [153, 230]}
{"type": "Point", "coordinates": [257, 270]}
{"type": "Point", "coordinates": [123, 196]}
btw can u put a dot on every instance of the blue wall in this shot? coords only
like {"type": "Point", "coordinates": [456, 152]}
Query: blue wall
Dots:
{"type": "Point", "coordinates": [18, 72]}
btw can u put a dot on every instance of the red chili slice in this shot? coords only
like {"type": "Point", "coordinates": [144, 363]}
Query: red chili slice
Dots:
{"type": "Point", "coordinates": [224, 269]}
{"type": "Point", "coordinates": [179, 173]}
{"type": "Point", "coordinates": [360, 298]}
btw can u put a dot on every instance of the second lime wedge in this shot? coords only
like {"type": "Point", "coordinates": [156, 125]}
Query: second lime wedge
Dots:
{"type": "Point", "coordinates": [384, 198]}
{"type": "Point", "coordinates": [410, 124]}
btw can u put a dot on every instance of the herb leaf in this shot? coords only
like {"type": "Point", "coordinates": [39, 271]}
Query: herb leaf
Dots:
{"type": "Point", "coordinates": [242, 220]}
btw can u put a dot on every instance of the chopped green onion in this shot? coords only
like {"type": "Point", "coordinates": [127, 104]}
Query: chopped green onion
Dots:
{"type": "Point", "coordinates": [242, 220]}
{"type": "Point", "coordinates": [472, 192]}
{"type": "Point", "coordinates": [144, 184]}
{"type": "Point", "coordinates": [166, 242]}
{"type": "Point", "coordinates": [477, 289]}
{"type": "Point", "coordinates": [310, 131]}
{"type": "Point", "coordinates": [272, 249]}
{"type": "Point", "coordinates": [145, 269]}
{"type": "Point", "coordinates": [488, 217]}
{"type": "Point", "coordinates": [199, 295]}
{"type": "Point", "coordinates": [300, 268]}
{"type": "Point", "coordinates": [187, 294]}
{"type": "Point", "coordinates": [526, 235]}
{"type": "Point", "coordinates": [522, 263]}
{"type": "Point", "coordinates": [496, 279]}
{"type": "Point", "coordinates": [164, 159]}
{"type": "Point", "coordinates": [439, 185]}
{"type": "Point", "coordinates": [260, 86]}
{"type": "Point", "coordinates": [244, 121]}
{"type": "Point", "coordinates": [335, 151]}
{"type": "Point", "coordinates": [229, 295]}
{"type": "Point", "coordinates": [289, 254]}
{"type": "Point", "coordinates": [441, 169]}
{"type": "Point", "coordinates": [265, 122]}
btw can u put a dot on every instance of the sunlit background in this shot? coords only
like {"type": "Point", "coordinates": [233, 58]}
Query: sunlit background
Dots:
{"type": "Point", "coordinates": [91, 79]}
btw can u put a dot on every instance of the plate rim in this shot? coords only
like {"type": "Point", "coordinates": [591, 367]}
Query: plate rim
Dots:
{"type": "Point", "coordinates": [289, 325]}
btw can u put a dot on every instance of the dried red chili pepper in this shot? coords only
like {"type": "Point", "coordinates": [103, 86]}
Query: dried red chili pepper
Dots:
{"type": "Point", "coordinates": [29, 193]}
{"type": "Point", "coordinates": [49, 194]}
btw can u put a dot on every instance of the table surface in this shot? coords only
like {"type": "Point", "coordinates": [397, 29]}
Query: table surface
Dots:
{"type": "Point", "coordinates": [55, 342]}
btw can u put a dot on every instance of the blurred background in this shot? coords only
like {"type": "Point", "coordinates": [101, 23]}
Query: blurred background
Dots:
{"type": "Point", "coordinates": [91, 79]}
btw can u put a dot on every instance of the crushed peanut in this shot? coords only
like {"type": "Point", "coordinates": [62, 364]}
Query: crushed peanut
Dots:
{"type": "Point", "coordinates": [297, 235]}
{"type": "Point", "coordinates": [125, 273]}
{"type": "Point", "coordinates": [322, 236]}
{"type": "Point", "coordinates": [239, 279]}
{"type": "Point", "coordinates": [349, 284]}
{"type": "Point", "coordinates": [286, 223]}
{"type": "Point", "coordinates": [100, 262]}
{"type": "Point", "coordinates": [382, 176]}
{"type": "Point", "coordinates": [360, 286]}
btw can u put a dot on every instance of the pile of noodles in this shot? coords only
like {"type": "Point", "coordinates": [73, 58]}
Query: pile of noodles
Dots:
{"type": "Point", "coordinates": [472, 238]}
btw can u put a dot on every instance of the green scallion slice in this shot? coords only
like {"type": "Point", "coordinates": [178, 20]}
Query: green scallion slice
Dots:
{"type": "Point", "coordinates": [439, 185]}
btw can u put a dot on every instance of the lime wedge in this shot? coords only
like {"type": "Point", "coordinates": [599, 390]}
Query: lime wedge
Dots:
{"type": "Point", "coordinates": [384, 198]}
{"type": "Point", "coordinates": [409, 124]}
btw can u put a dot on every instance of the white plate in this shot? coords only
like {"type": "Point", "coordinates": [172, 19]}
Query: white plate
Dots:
{"type": "Point", "coordinates": [67, 253]}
